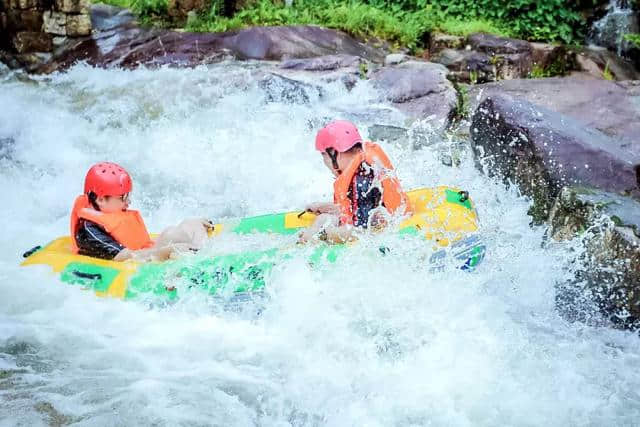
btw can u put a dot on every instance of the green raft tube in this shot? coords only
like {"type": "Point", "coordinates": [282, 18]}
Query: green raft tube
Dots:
{"type": "Point", "coordinates": [444, 216]}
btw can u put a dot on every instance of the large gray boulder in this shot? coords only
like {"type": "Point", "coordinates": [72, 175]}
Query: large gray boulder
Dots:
{"type": "Point", "coordinates": [586, 184]}
{"type": "Point", "coordinates": [119, 42]}
{"type": "Point", "coordinates": [419, 89]}
{"type": "Point", "coordinates": [543, 151]}
{"type": "Point", "coordinates": [610, 107]}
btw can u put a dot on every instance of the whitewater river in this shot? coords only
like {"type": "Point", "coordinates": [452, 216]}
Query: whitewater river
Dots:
{"type": "Point", "coordinates": [370, 342]}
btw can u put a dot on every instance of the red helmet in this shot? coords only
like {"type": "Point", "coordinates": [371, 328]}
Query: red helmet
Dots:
{"type": "Point", "coordinates": [340, 135]}
{"type": "Point", "coordinates": [107, 179]}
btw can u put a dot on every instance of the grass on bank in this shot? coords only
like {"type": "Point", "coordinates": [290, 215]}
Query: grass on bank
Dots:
{"type": "Point", "coordinates": [402, 23]}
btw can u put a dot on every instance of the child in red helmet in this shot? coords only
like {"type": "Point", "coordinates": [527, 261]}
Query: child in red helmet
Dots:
{"type": "Point", "coordinates": [364, 181]}
{"type": "Point", "coordinates": [102, 226]}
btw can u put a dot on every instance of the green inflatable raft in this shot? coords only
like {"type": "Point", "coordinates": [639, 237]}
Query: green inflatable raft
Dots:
{"type": "Point", "coordinates": [444, 218]}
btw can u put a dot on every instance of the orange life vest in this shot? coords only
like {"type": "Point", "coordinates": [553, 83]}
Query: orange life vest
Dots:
{"type": "Point", "coordinates": [392, 195]}
{"type": "Point", "coordinates": [126, 227]}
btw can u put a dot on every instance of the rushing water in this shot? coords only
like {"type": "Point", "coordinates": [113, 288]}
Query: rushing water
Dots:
{"type": "Point", "coordinates": [368, 342]}
{"type": "Point", "coordinates": [609, 31]}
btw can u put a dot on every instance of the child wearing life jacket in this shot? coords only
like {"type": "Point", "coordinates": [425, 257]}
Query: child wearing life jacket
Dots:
{"type": "Point", "coordinates": [364, 182]}
{"type": "Point", "coordinates": [102, 226]}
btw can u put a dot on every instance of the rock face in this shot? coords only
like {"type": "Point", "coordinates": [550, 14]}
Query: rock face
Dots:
{"type": "Point", "coordinates": [29, 25]}
{"type": "Point", "coordinates": [323, 63]}
{"type": "Point", "coordinates": [118, 41]}
{"type": "Point", "coordinates": [440, 42]}
{"type": "Point", "coordinates": [610, 107]}
{"type": "Point", "coordinates": [305, 41]}
{"type": "Point", "coordinates": [583, 182]}
{"type": "Point", "coordinates": [542, 151]}
{"type": "Point", "coordinates": [420, 89]}
{"type": "Point", "coordinates": [31, 41]}
{"type": "Point", "coordinates": [619, 68]}
{"type": "Point", "coordinates": [607, 283]}
{"type": "Point", "coordinates": [483, 57]}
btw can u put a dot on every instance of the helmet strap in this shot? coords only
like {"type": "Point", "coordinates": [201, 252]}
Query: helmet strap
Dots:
{"type": "Point", "coordinates": [92, 199]}
{"type": "Point", "coordinates": [333, 155]}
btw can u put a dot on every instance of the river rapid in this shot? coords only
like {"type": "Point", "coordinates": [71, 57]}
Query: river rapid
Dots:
{"type": "Point", "coordinates": [368, 342]}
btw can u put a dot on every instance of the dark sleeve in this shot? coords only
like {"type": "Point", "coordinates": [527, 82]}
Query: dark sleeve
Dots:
{"type": "Point", "coordinates": [94, 241]}
{"type": "Point", "coordinates": [368, 197]}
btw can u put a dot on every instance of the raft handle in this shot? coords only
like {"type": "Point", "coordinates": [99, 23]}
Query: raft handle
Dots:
{"type": "Point", "coordinates": [83, 275]}
{"type": "Point", "coordinates": [31, 251]}
{"type": "Point", "coordinates": [464, 196]}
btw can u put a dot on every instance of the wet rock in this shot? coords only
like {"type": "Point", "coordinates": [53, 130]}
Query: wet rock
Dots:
{"type": "Point", "coordinates": [388, 133]}
{"type": "Point", "coordinates": [278, 88]}
{"type": "Point", "coordinates": [468, 66]}
{"type": "Point", "coordinates": [275, 43]}
{"type": "Point", "coordinates": [24, 4]}
{"type": "Point", "coordinates": [578, 208]}
{"type": "Point", "coordinates": [23, 20]}
{"type": "Point", "coordinates": [55, 23]}
{"type": "Point", "coordinates": [543, 151]}
{"type": "Point", "coordinates": [7, 148]}
{"type": "Point", "coordinates": [619, 68]}
{"type": "Point", "coordinates": [29, 41]}
{"type": "Point", "coordinates": [322, 63]}
{"type": "Point", "coordinates": [105, 18]}
{"type": "Point", "coordinates": [73, 6]}
{"type": "Point", "coordinates": [512, 58]}
{"type": "Point", "coordinates": [395, 59]}
{"type": "Point", "coordinates": [440, 41]}
{"type": "Point", "coordinates": [608, 271]}
{"type": "Point", "coordinates": [588, 67]}
{"type": "Point", "coordinates": [413, 138]}
{"type": "Point", "coordinates": [420, 89]}
{"type": "Point", "coordinates": [118, 41]}
{"type": "Point", "coordinates": [494, 45]}
{"type": "Point", "coordinates": [610, 107]}
{"type": "Point", "coordinates": [30, 62]}
{"type": "Point", "coordinates": [78, 25]}
{"type": "Point", "coordinates": [54, 417]}
{"type": "Point", "coordinates": [487, 58]}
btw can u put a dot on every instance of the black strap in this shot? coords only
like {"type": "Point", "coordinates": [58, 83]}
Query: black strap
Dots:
{"type": "Point", "coordinates": [333, 155]}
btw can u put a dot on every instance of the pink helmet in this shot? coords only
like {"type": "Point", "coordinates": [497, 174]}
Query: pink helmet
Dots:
{"type": "Point", "coordinates": [340, 135]}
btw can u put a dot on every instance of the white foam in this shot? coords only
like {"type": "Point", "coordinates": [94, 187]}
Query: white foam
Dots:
{"type": "Point", "coordinates": [371, 341]}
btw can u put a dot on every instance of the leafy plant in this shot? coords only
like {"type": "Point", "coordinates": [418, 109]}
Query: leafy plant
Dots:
{"type": "Point", "coordinates": [606, 74]}
{"type": "Point", "coordinates": [634, 39]}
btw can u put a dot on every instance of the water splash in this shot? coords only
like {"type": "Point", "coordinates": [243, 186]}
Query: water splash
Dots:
{"type": "Point", "coordinates": [363, 343]}
{"type": "Point", "coordinates": [609, 31]}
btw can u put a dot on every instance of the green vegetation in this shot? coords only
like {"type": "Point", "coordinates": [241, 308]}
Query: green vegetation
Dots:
{"type": "Point", "coordinates": [634, 39]}
{"type": "Point", "coordinates": [548, 20]}
{"type": "Point", "coordinates": [403, 23]}
{"type": "Point", "coordinates": [462, 106]}
{"type": "Point", "coordinates": [559, 67]}
{"type": "Point", "coordinates": [606, 74]}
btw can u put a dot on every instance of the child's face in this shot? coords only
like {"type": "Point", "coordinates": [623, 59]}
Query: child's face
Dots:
{"type": "Point", "coordinates": [109, 204]}
{"type": "Point", "coordinates": [343, 160]}
{"type": "Point", "coordinates": [328, 163]}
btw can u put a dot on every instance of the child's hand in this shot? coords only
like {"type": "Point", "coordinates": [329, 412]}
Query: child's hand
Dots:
{"type": "Point", "coordinates": [323, 207]}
